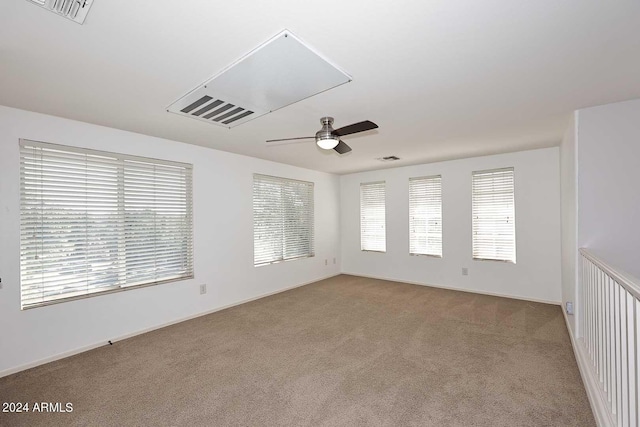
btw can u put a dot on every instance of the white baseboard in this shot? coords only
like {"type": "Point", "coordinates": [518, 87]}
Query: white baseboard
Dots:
{"type": "Point", "coordinates": [595, 393]}
{"type": "Point", "coordinates": [452, 288]}
{"type": "Point", "coordinates": [153, 328]}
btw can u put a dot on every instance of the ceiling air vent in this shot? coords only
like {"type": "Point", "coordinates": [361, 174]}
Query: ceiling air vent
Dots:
{"type": "Point", "coordinates": [215, 110]}
{"type": "Point", "coordinates": [388, 158]}
{"type": "Point", "coordinates": [278, 73]}
{"type": "Point", "coordinates": [76, 10]}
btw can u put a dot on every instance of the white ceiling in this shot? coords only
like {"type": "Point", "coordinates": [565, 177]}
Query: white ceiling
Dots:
{"type": "Point", "coordinates": [443, 79]}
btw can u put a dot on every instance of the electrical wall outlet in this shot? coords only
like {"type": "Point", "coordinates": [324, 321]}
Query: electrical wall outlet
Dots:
{"type": "Point", "coordinates": [334, 260]}
{"type": "Point", "coordinates": [326, 262]}
{"type": "Point", "coordinates": [465, 271]}
{"type": "Point", "coordinates": [203, 289]}
{"type": "Point", "coordinates": [569, 307]}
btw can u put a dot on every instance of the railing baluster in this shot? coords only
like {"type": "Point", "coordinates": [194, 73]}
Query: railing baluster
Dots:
{"type": "Point", "coordinates": [598, 335]}
{"type": "Point", "coordinates": [595, 316]}
{"type": "Point", "coordinates": [583, 293]}
{"type": "Point", "coordinates": [587, 283]}
{"type": "Point", "coordinates": [591, 310]}
{"type": "Point", "coordinates": [614, 381]}
{"type": "Point", "coordinates": [600, 327]}
{"type": "Point", "coordinates": [618, 357]}
{"type": "Point", "coordinates": [625, 360]}
{"type": "Point", "coordinates": [594, 285]}
{"type": "Point", "coordinates": [636, 320]}
{"type": "Point", "coordinates": [583, 300]}
{"type": "Point", "coordinates": [631, 356]}
{"type": "Point", "coordinates": [607, 333]}
{"type": "Point", "coordinates": [594, 321]}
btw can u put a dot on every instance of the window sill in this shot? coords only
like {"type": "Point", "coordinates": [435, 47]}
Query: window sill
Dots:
{"type": "Point", "coordinates": [284, 260]}
{"type": "Point", "coordinates": [104, 291]}
{"type": "Point", "coordinates": [503, 261]}
{"type": "Point", "coordinates": [426, 255]}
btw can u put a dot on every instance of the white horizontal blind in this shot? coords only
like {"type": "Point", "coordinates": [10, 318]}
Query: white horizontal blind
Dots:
{"type": "Point", "coordinates": [425, 216]}
{"type": "Point", "coordinates": [493, 211]}
{"type": "Point", "coordinates": [282, 219]}
{"type": "Point", "coordinates": [373, 235]}
{"type": "Point", "coordinates": [94, 222]}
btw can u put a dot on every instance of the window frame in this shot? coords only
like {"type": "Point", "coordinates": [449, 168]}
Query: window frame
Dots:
{"type": "Point", "coordinates": [426, 178]}
{"type": "Point", "coordinates": [473, 231]}
{"type": "Point", "coordinates": [384, 203]}
{"type": "Point", "coordinates": [310, 212]}
{"type": "Point", "coordinates": [121, 212]}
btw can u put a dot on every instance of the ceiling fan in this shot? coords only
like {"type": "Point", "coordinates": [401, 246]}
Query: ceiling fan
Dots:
{"type": "Point", "coordinates": [329, 138]}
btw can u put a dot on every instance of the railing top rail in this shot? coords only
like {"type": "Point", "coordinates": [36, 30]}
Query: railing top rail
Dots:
{"type": "Point", "coordinates": [625, 280]}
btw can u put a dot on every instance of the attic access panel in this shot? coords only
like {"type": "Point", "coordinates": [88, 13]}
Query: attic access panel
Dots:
{"type": "Point", "coordinates": [278, 73]}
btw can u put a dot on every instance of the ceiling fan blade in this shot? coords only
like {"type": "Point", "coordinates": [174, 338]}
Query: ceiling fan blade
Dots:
{"type": "Point", "coordinates": [355, 128]}
{"type": "Point", "coordinates": [279, 143]}
{"type": "Point", "coordinates": [342, 148]}
{"type": "Point", "coordinates": [291, 139]}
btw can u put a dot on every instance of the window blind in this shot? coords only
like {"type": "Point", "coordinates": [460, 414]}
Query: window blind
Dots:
{"type": "Point", "coordinates": [493, 211]}
{"type": "Point", "coordinates": [282, 219]}
{"type": "Point", "coordinates": [372, 217]}
{"type": "Point", "coordinates": [425, 216]}
{"type": "Point", "coordinates": [94, 222]}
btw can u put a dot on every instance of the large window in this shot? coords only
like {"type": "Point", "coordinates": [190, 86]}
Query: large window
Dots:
{"type": "Point", "coordinates": [95, 222]}
{"type": "Point", "coordinates": [282, 219]}
{"type": "Point", "coordinates": [372, 217]}
{"type": "Point", "coordinates": [493, 211]}
{"type": "Point", "coordinates": [425, 216]}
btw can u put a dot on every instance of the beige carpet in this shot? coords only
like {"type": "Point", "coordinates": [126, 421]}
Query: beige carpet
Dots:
{"type": "Point", "coordinates": [343, 351]}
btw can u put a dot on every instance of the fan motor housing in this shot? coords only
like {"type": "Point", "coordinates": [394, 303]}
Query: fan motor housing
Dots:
{"type": "Point", "coordinates": [327, 131]}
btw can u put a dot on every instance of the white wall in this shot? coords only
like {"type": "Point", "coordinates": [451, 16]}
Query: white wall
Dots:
{"type": "Point", "coordinates": [569, 191]}
{"type": "Point", "coordinates": [609, 183]}
{"type": "Point", "coordinates": [535, 276]}
{"type": "Point", "coordinates": [223, 243]}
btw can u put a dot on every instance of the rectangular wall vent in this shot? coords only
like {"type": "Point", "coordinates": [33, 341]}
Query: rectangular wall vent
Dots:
{"type": "Point", "coordinates": [278, 73]}
{"type": "Point", "coordinates": [75, 10]}
{"type": "Point", "coordinates": [389, 158]}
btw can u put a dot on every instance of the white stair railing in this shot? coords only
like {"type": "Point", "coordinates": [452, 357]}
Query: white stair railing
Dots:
{"type": "Point", "coordinates": [609, 321]}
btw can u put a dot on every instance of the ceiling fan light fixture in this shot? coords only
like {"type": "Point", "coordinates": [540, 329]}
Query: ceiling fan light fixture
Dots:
{"type": "Point", "coordinates": [328, 143]}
